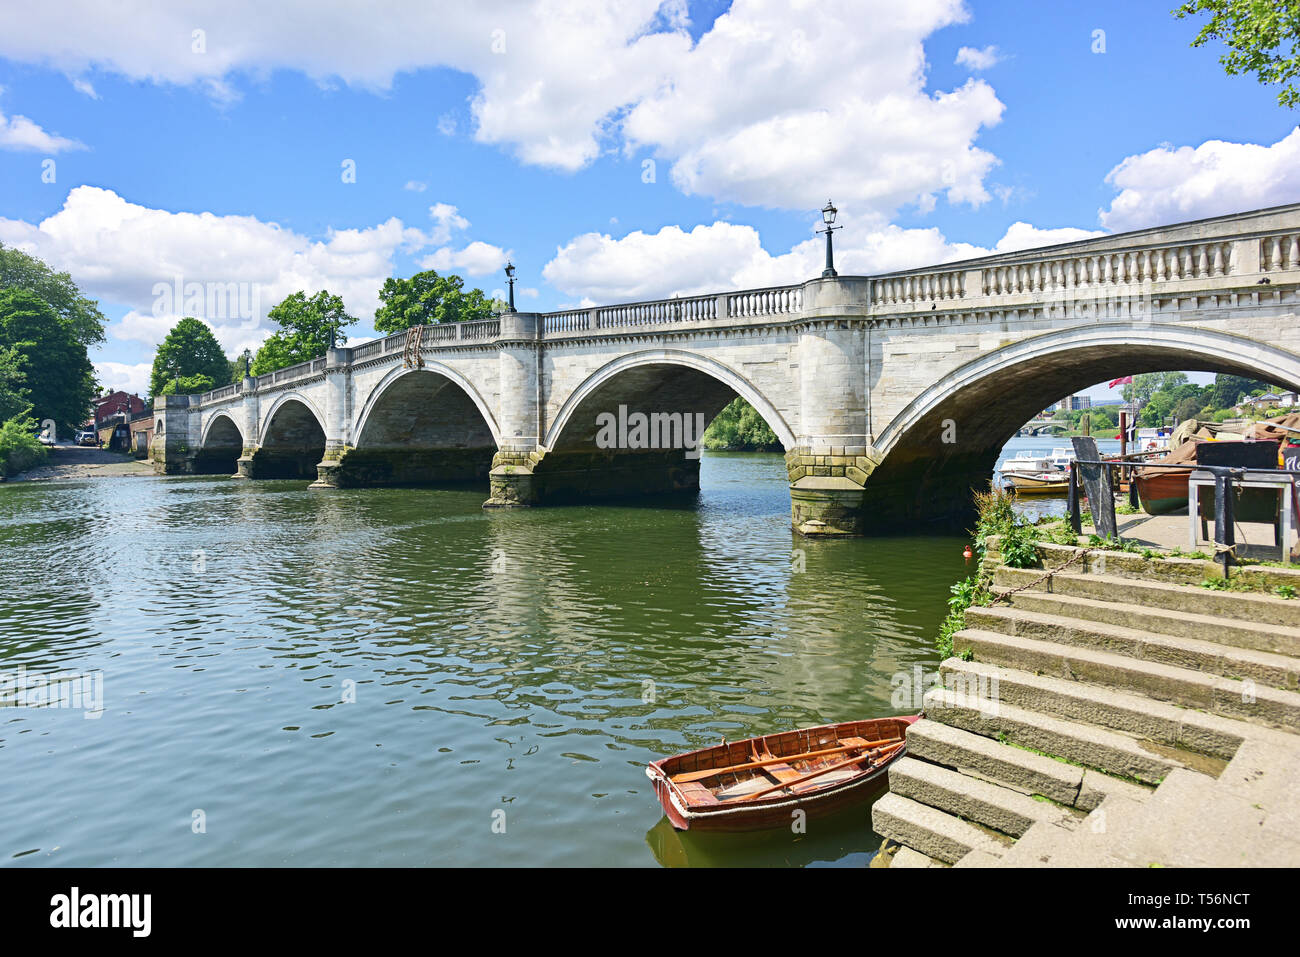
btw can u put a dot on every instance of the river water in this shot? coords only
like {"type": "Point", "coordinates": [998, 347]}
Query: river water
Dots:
{"type": "Point", "coordinates": [398, 677]}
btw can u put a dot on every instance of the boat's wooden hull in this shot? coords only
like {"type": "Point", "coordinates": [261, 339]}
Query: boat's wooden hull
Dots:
{"type": "Point", "coordinates": [1024, 484]}
{"type": "Point", "coordinates": [1163, 492]}
{"type": "Point", "coordinates": [778, 809]}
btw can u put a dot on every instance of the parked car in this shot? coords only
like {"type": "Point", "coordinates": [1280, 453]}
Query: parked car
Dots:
{"type": "Point", "coordinates": [88, 438]}
{"type": "Point", "coordinates": [45, 439]}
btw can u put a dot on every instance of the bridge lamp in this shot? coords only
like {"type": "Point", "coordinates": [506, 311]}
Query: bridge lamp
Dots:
{"type": "Point", "coordinates": [828, 217]}
{"type": "Point", "coordinates": [510, 279]}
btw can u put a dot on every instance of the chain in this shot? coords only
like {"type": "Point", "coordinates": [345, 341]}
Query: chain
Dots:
{"type": "Point", "coordinates": [1038, 581]}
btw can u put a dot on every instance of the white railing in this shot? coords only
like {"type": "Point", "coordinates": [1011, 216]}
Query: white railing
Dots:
{"type": "Point", "coordinates": [479, 330]}
{"type": "Point", "coordinates": [1102, 269]}
{"type": "Point", "coordinates": [695, 309]}
{"type": "Point", "coordinates": [923, 287]}
{"type": "Point", "coordinates": [1279, 252]}
{"type": "Point", "coordinates": [575, 320]}
{"type": "Point", "coordinates": [774, 301]}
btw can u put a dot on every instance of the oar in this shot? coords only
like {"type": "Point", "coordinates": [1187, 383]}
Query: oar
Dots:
{"type": "Point", "coordinates": [825, 770]}
{"type": "Point", "coordinates": [691, 776]}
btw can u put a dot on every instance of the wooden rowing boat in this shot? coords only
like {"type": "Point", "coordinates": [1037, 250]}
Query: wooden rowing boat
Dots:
{"type": "Point", "coordinates": [760, 782]}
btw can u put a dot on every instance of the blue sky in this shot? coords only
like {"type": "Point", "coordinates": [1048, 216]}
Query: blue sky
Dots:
{"type": "Point", "coordinates": [495, 129]}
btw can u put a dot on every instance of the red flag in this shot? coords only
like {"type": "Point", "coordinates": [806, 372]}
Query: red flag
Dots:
{"type": "Point", "coordinates": [1127, 380]}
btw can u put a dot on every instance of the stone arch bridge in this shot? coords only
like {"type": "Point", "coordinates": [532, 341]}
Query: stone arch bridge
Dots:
{"type": "Point", "coordinates": [892, 394]}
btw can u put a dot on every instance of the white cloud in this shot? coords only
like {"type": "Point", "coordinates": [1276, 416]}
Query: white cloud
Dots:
{"type": "Point", "coordinates": [124, 376]}
{"type": "Point", "coordinates": [84, 87]}
{"type": "Point", "coordinates": [596, 268]}
{"type": "Point", "coordinates": [415, 186]}
{"type": "Point", "coordinates": [1024, 236]}
{"type": "Point", "coordinates": [975, 59]}
{"type": "Point", "coordinates": [133, 256]}
{"type": "Point", "coordinates": [20, 133]}
{"type": "Point", "coordinates": [747, 114]}
{"type": "Point", "coordinates": [476, 259]}
{"type": "Point", "coordinates": [1169, 185]}
{"type": "Point", "coordinates": [446, 218]}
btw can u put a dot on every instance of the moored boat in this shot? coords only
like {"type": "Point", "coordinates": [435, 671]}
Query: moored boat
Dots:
{"type": "Point", "coordinates": [758, 782]}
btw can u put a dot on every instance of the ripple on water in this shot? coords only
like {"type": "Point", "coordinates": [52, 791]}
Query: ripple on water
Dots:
{"type": "Point", "coordinates": [366, 677]}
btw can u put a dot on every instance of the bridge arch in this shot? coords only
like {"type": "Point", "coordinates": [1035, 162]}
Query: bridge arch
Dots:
{"type": "Point", "coordinates": [723, 374]}
{"type": "Point", "coordinates": [678, 392]}
{"type": "Point", "coordinates": [946, 441]}
{"type": "Point", "coordinates": [292, 438]}
{"type": "Point", "coordinates": [420, 426]}
{"type": "Point", "coordinates": [220, 446]}
{"type": "Point", "coordinates": [401, 379]}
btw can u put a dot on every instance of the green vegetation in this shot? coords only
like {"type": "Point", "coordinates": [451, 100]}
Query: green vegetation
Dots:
{"type": "Point", "coordinates": [739, 428]}
{"type": "Point", "coordinates": [46, 347]}
{"type": "Point", "coordinates": [191, 353]}
{"type": "Point", "coordinates": [427, 298]}
{"type": "Point", "coordinates": [308, 328]}
{"type": "Point", "coordinates": [19, 449]}
{"type": "Point", "coordinates": [1262, 37]}
{"type": "Point", "coordinates": [1167, 397]}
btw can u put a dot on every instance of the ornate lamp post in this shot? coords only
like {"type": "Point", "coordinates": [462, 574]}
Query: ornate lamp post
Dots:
{"type": "Point", "coordinates": [828, 217]}
{"type": "Point", "coordinates": [510, 279]}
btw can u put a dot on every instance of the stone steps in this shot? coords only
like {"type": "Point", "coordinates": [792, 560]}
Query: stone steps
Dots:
{"type": "Point", "coordinates": [1185, 729]}
{"type": "Point", "coordinates": [1107, 721]}
{"type": "Point", "coordinates": [1268, 638]}
{"type": "Point", "coordinates": [934, 833]}
{"type": "Point", "coordinates": [971, 799]}
{"type": "Point", "coordinates": [1248, 701]}
{"type": "Point", "coordinates": [1111, 752]}
{"type": "Point", "coordinates": [1267, 610]}
{"type": "Point", "coordinates": [1194, 654]}
{"type": "Point", "coordinates": [1011, 767]}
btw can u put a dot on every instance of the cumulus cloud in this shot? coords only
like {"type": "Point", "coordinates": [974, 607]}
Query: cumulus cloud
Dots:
{"type": "Point", "coordinates": [598, 268]}
{"type": "Point", "coordinates": [746, 114]}
{"type": "Point", "coordinates": [228, 270]}
{"type": "Point", "coordinates": [975, 59]}
{"type": "Point", "coordinates": [1168, 184]}
{"type": "Point", "coordinates": [476, 259]}
{"type": "Point", "coordinates": [415, 186]}
{"type": "Point", "coordinates": [125, 376]}
{"type": "Point", "coordinates": [20, 133]}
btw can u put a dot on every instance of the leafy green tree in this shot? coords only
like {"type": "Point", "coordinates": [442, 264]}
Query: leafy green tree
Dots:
{"type": "Point", "coordinates": [13, 385]}
{"type": "Point", "coordinates": [308, 328]}
{"type": "Point", "coordinates": [426, 298]}
{"type": "Point", "coordinates": [19, 449]}
{"type": "Point", "coordinates": [1262, 37]}
{"type": "Point", "coordinates": [188, 385]}
{"type": "Point", "coordinates": [190, 351]}
{"type": "Point", "coordinates": [78, 315]}
{"type": "Point", "coordinates": [739, 427]}
{"type": "Point", "coordinates": [59, 378]}
{"type": "Point", "coordinates": [1227, 389]}
{"type": "Point", "coordinates": [1187, 408]}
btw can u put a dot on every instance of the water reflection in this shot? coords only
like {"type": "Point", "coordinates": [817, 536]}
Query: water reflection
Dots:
{"type": "Point", "coordinates": [364, 676]}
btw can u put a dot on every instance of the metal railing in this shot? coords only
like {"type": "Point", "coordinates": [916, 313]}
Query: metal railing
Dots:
{"type": "Point", "coordinates": [1224, 477]}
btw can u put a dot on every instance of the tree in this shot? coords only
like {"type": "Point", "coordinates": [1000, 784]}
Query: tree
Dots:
{"type": "Point", "coordinates": [188, 385]}
{"type": "Point", "coordinates": [308, 328]}
{"type": "Point", "coordinates": [739, 427]}
{"type": "Point", "coordinates": [427, 298]}
{"type": "Point", "coordinates": [79, 315]}
{"type": "Point", "coordinates": [1227, 388]}
{"type": "Point", "coordinates": [13, 385]}
{"type": "Point", "coordinates": [58, 376]}
{"type": "Point", "coordinates": [1262, 37]}
{"type": "Point", "coordinates": [1187, 408]}
{"type": "Point", "coordinates": [190, 350]}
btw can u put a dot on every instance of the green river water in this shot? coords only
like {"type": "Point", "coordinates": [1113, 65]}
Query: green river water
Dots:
{"type": "Point", "coordinates": [380, 676]}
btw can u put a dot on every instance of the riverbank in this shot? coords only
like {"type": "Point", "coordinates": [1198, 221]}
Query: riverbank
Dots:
{"type": "Point", "coordinates": [1107, 708]}
{"type": "Point", "coordinates": [78, 462]}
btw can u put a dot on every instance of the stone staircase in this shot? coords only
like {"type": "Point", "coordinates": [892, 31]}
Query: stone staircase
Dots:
{"type": "Point", "coordinates": [1103, 720]}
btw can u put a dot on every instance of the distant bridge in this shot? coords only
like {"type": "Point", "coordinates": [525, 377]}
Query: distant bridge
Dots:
{"type": "Point", "coordinates": [892, 394]}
